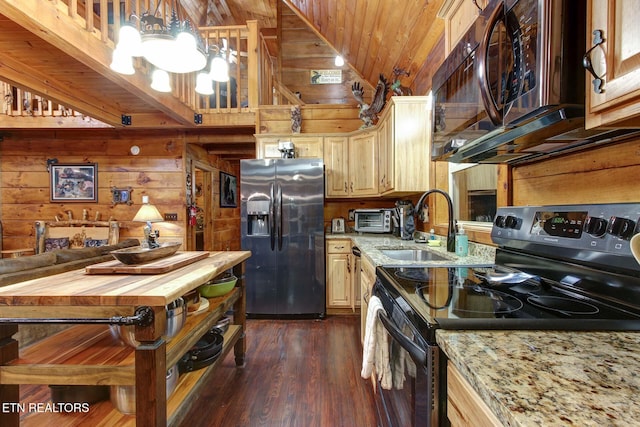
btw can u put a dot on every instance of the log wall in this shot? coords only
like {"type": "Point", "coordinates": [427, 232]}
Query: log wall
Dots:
{"type": "Point", "coordinates": [158, 171]}
{"type": "Point", "coordinates": [600, 175]}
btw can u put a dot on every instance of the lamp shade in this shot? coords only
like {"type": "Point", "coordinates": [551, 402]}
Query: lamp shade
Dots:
{"type": "Point", "coordinates": [147, 212]}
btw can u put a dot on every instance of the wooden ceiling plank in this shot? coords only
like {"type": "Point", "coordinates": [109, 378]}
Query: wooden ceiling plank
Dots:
{"type": "Point", "coordinates": [378, 37]}
{"type": "Point", "coordinates": [364, 38]}
{"type": "Point", "coordinates": [415, 16]}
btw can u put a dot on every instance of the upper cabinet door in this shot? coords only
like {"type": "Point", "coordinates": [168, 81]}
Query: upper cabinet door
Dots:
{"type": "Point", "coordinates": [616, 61]}
{"type": "Point", "coordinates": [363, 164]}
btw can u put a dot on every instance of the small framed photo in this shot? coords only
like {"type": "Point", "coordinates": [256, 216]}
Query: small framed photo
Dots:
{"type": "Point", "coordinates": [228, 191]}
{"type": "Point", "coordinates": [121, 195]}
{"type": "Point", "coordinates": [74, 182]}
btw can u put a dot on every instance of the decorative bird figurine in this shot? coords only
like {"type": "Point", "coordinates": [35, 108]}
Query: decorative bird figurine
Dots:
{"type": "Point", "coordinates": [369, 112]}
{"type": "Point", "coordinates": [396, 87]}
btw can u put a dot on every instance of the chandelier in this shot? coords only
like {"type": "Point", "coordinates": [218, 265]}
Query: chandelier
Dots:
{"type": "Point", "coordinates": [175, 48]}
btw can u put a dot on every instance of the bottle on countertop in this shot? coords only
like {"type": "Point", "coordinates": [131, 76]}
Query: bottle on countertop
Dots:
{"type": "Point", "coordinates": [432, 234]}
{"type": "Point", "coordinates": [462, 242]}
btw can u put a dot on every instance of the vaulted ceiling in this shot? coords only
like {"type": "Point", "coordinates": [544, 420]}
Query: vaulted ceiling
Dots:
{"type": "Point", "coordinates": [374, 36]}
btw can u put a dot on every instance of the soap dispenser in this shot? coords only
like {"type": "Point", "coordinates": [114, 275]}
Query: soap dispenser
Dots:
{"type": "Point", "coordinates": [462, 242]}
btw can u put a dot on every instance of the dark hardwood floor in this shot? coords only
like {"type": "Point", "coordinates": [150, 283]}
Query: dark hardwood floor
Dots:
{"type": "Point", "coordinates": [297, 373]}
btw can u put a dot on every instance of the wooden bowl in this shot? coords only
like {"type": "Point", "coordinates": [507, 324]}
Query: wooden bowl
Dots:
{"type": "Point", "coordinates": [140, 255]}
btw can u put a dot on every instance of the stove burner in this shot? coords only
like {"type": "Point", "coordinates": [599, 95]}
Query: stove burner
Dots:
{"type": "Point", "coordinates": [414, 274]}
{"type": "Point", "coordinates": [563, 305]}
{"type": "Point", "coordinates": [498, 302]}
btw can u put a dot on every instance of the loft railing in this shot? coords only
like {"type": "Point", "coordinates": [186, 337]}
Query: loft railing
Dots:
{"type": "Point", "coordinates": [241, 52]}
{"type": "Point", "coordinates": [18, 102]}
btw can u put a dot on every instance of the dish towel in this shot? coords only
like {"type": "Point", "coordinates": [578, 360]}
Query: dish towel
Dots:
{"type": "Point", "coordinates": [375, 349]}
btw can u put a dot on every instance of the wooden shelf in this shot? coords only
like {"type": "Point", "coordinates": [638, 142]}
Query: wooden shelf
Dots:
{"type": "Point", "coordinates": [91, 354]}
{"type": "Point", "coordinates": [104, 413]}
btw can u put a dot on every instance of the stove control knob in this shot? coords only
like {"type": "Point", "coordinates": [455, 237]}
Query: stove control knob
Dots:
{"type": "Point", "coordinates": [499, 221]}
{"type": "Point", "coordinates": [511, 221]}
{"type": "Point", "coordinates": [621, 227]}
{"type": "Point", "coordinates": [596, 227]}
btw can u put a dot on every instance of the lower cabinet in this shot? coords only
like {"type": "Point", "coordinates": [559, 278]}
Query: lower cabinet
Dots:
{"type": "Point", "coordinates": [464, 407]}
{"type": "Point", "coordinates": [341, 275]}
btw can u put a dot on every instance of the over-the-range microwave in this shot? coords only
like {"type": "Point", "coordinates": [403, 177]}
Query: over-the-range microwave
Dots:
{"type": "Point", "coordinates": [513, 88]}
{"type": "Point", "coordinates": [373, 220]}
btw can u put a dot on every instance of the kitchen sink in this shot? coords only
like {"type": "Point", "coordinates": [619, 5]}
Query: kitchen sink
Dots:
{"type": "Point", "coordinates": [413, 255]}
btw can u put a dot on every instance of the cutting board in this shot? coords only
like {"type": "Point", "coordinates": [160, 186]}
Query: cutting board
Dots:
{"type": "Point", "coordinates": [159, 266]}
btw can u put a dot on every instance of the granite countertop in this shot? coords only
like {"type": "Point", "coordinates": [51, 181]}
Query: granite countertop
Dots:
{"type": "Point", "coordinates": [547, 378]}
{"type": "Point", "coordinates": [371, 244]}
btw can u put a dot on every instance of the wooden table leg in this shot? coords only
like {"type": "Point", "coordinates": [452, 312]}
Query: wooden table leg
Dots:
{"type": "Point", "coordinates": [151, 373]}
{"type": "Point", "coordinates": [9, 394]}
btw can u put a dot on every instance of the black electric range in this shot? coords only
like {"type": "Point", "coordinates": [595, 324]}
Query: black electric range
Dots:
{"type": "Point", "coordinates": [556, 268]}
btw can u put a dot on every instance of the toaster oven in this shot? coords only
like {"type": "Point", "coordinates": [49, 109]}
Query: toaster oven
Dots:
{"type": "Point", "coordinates": [373, 220]}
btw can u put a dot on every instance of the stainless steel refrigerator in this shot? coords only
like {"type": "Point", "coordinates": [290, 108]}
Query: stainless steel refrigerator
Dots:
{"type": "Point", "coordinates": [282, 220]}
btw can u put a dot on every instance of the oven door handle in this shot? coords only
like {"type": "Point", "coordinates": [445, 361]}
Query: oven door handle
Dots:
{"type": "Point", "coordinates": [417, 354]}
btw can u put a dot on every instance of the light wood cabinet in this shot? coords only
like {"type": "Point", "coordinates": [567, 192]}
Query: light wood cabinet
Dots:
{"type": "Point", "coordinates": [340, 275]}
{"type": "Point", "coordinates": [305, 146]}
{"type": "Point", "coordinates": [404, 134]}
{"type": "Point", "coordinates": [458, 16]}
{"type": "Point", "coordinates": [363, 164]}
{"type": "Point", "coordinates": [617, 60]}
{"type": "Point", "coordinates": [336, 157]}
{"type": "Point", "coordinates": [465, 408]}
{"type": "Point", "coordinates": [351, 165]}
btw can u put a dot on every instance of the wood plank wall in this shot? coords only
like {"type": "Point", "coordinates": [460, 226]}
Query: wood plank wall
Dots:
{"type": "Point", "coordinates": [225, 222]}
{"type": "Point", "coordinates": [320, 118]}
{"type": "Point", "coordinates": [606, 174]}
{"type": "Point", "coordinates": [158, 171]}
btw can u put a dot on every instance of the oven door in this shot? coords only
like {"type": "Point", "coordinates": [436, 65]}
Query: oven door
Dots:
{"type": "Point", "coordinates": [416, 386]}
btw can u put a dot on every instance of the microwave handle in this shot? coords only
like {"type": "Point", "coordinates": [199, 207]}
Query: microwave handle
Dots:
{"type": "Point", "coordinates": [494, 113]}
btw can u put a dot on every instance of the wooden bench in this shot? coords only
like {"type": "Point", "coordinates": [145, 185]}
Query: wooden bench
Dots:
{"type": "Point", "coordinates": [77, 231]}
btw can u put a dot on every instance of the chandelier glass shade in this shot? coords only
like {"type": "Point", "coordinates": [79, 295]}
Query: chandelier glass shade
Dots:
{"type": "Point", "coordinates": [204, 85]}
{"type": "Point", "coordinates": [160, 81]}
{"type": "Point", "coordinates": [178, 54]}
{"type": "Point", "coordinates": [122, 62]}
{"type": "Point", "coordinates": [219, 69]}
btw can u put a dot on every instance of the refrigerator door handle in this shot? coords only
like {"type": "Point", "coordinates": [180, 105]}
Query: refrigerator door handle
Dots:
{"type": "Point", "coordinates": [279, 201]}
{"type": "Point", "coordinates": [272, 220]}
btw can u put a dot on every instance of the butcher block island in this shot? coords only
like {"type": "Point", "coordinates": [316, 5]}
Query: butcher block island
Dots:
{"type": "Point", "coordinates": [88, 353]}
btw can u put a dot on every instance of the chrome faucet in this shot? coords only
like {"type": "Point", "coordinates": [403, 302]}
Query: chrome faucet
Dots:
{"type": "Point", "coordinates": [451, 231]}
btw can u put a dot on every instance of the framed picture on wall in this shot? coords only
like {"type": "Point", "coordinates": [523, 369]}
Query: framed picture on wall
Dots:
{"type": "Point", "coordinates": [228, 191]}
{"type": "Point", "coordinates": [74, 182]}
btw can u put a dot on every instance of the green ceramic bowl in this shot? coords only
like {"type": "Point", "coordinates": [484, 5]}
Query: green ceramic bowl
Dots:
{"type": "Point", "coordinates": [218, 287]}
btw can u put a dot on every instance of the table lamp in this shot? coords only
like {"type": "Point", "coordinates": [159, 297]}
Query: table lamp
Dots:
{"type": "Point", "coordinates": [149, 213]}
